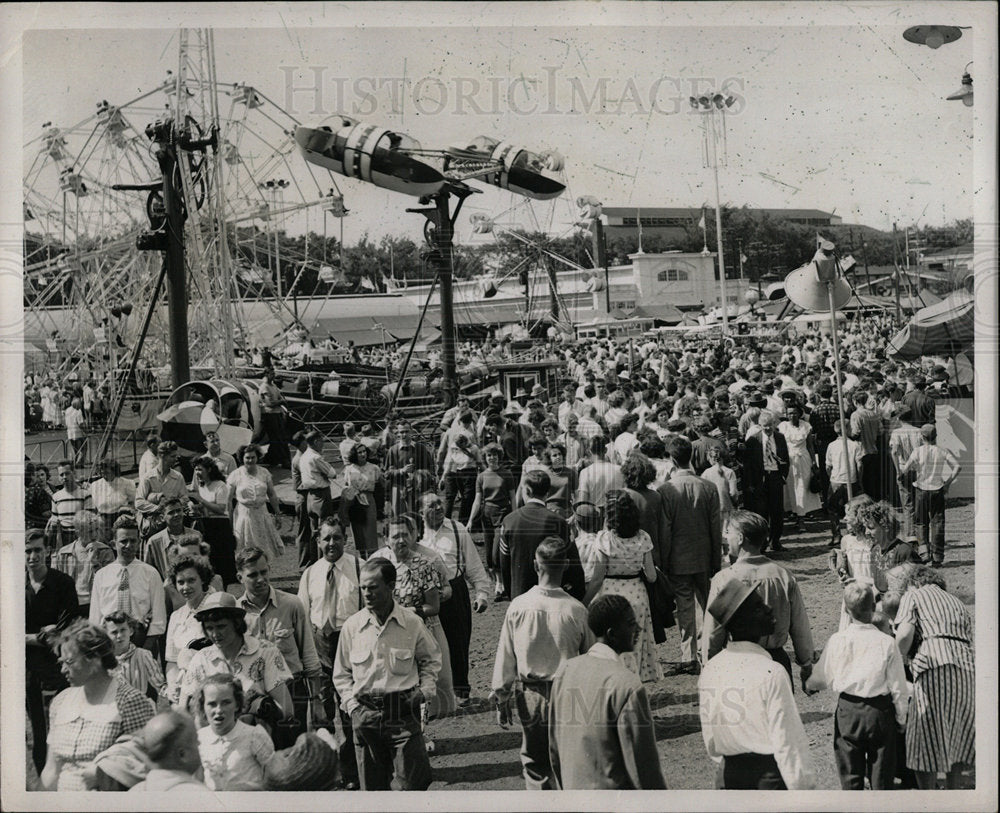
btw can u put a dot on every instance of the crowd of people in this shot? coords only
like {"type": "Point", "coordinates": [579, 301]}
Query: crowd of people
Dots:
{"type": "Point", "coordinates": [604, 516]}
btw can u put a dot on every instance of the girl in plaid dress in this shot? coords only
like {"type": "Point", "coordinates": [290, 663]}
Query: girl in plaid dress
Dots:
{"type": "Point", "coordinates": [93, 712]}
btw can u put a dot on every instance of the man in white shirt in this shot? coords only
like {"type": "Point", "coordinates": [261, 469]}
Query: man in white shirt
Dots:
{"type": "Point", "coordinates": [165, 481]}
{"type": "Point", "coordinates": [902, 441]}
{"type": "Point", "coordinates": [601, 476]}
{"type": "Point", "coordinates": [350, 438]}
{"type": "Point", "coordinates": [934, 470]}
{"type": "Point", "coordinates": [464, 569]}
{"type": "Point", "coordinates": [316, 474]}
{"type": "Point", "coordinates": [627, 439]}
{"type": "Point", "coordinates": [864, 667]}
{"type": "Point", "coordinates": [130, 586]}
{"type": "Point", "coordinates": [225, 461]}
{"type": "Point", "coordinates": [843, 466]}
{"type": "Point", "coordinates": [76, 431]}
{"type": "Point", "coordinates": [149, 460]}
{"type": "Point", "coordinates": [386, 665]}
{"type": "Point", "coordinates": [567, 406]}
{"type": "Point", "coordinates": [749, 719]}
{"type": "Point", "coordinates": [329, 591]}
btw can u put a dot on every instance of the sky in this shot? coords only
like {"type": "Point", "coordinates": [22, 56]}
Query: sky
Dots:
{"type": "Point", "coordinates": [841, 115]}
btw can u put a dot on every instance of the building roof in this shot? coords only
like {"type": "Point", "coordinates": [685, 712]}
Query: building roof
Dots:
{"type": "Point", "coordinates": [695, 212]}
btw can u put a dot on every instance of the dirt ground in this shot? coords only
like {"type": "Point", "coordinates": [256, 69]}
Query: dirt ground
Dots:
{"type": "Point", "coordinates": [473, 753]}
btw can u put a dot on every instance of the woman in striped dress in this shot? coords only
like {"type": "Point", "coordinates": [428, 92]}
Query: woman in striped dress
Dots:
{"type": "Point", "coordinates": [935, 629]}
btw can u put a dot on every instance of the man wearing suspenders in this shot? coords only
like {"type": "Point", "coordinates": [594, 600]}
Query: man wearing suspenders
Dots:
{"type": "Point", "coordinates": [453, 543]}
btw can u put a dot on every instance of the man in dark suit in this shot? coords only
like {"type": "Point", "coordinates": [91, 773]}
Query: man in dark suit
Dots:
{"type": "Point", "coordinates": [691, 551]}
{"type": "Point", "coordinates": [521, 532]}
{"type": "Point", "coordinates": [700, 447]}
{"type": "Point", "coordinates": [922, 406]}
{"type": "Point", "coordinates": [765, 468]}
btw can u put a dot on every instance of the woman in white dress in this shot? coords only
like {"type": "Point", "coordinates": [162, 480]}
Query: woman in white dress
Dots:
{"type": "Point", "coordinates": [250, 491]}
{"type": "Point", "coordinates": [798, 498]}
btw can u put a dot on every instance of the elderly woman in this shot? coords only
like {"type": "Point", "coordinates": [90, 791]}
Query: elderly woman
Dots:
{"type": "Point", "coordinates": [362, 498]}
{"type": "Point", "coordinates": [256, 663]}
{"type": "Point", "coordinates": [112, 494]}
{"type": "Point", "coordinates": [93, 712]}
{"type": "Point", "coordinates": [623, 558]}
{"type": "Point", "coordinates": [251, 490]}
{"type": "Point", "coordinates": [934, 629]}
{"type": "Point", "coordinates": [191, 577]}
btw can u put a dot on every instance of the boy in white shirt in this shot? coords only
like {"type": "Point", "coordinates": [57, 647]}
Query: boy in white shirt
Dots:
{"type": "Point", "coordinates": [864, 666]}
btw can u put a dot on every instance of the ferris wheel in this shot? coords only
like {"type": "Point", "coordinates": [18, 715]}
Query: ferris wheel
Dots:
{"type": "Point", "coordinates": [92, 210]}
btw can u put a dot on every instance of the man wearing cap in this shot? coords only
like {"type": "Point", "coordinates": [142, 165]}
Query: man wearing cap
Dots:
{"type": "Point", "coordinates": [745, 536]}
{"type": "Point", "coordinates": [765, 468]}
{"type": "Point", "coordinates": [543, 627]}
{"type": "Point", "coordinates": [691, 551]}
{"type": "Point", "coordinates": [614, 746]}
{"type": "Point", "coordinates": [386, 665]}
{"type": "Point", "coordinates": [257, 664]}
{"type": "Point", "coordinates": [749, 719]}
{"type": "Point", "coordinates": [934, 470]}
{"type": "Point", "coordinates": [170, 743]}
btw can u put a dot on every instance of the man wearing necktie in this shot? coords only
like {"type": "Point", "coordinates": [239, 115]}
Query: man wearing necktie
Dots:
{"type": "Point", "coordinates": [765, 467]}
{"type": "Point", "coordinates": [329, 591]}
{"type": "Point", "coordinates": [130, 586]}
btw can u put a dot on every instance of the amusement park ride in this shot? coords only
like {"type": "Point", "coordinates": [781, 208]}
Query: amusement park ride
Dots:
{"type": "Point", "coordinates": [94, 255]}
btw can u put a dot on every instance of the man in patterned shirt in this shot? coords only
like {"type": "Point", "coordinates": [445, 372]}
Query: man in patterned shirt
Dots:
{"type": "Point", "coordinates": [822, 418]}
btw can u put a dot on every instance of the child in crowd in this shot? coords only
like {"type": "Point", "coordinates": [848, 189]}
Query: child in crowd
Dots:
{"type": "Point", "coordinates": [724, 480]}
{"type": "Point", "coordinates": [136, 666]}
{"type": "Point", "coordinates": [864, 667]}
{"type": "Point", "coordinates": [587, 521]}
{"type": "Point", "coordinates": [234, 755]}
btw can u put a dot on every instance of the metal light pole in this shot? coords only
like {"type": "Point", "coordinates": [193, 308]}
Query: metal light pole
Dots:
{"type": "Point", "coordinates": [709, 105]}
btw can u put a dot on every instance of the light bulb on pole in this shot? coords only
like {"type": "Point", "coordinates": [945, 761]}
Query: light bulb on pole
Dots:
{"type": "Point", "coordinates": [710, 105]}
